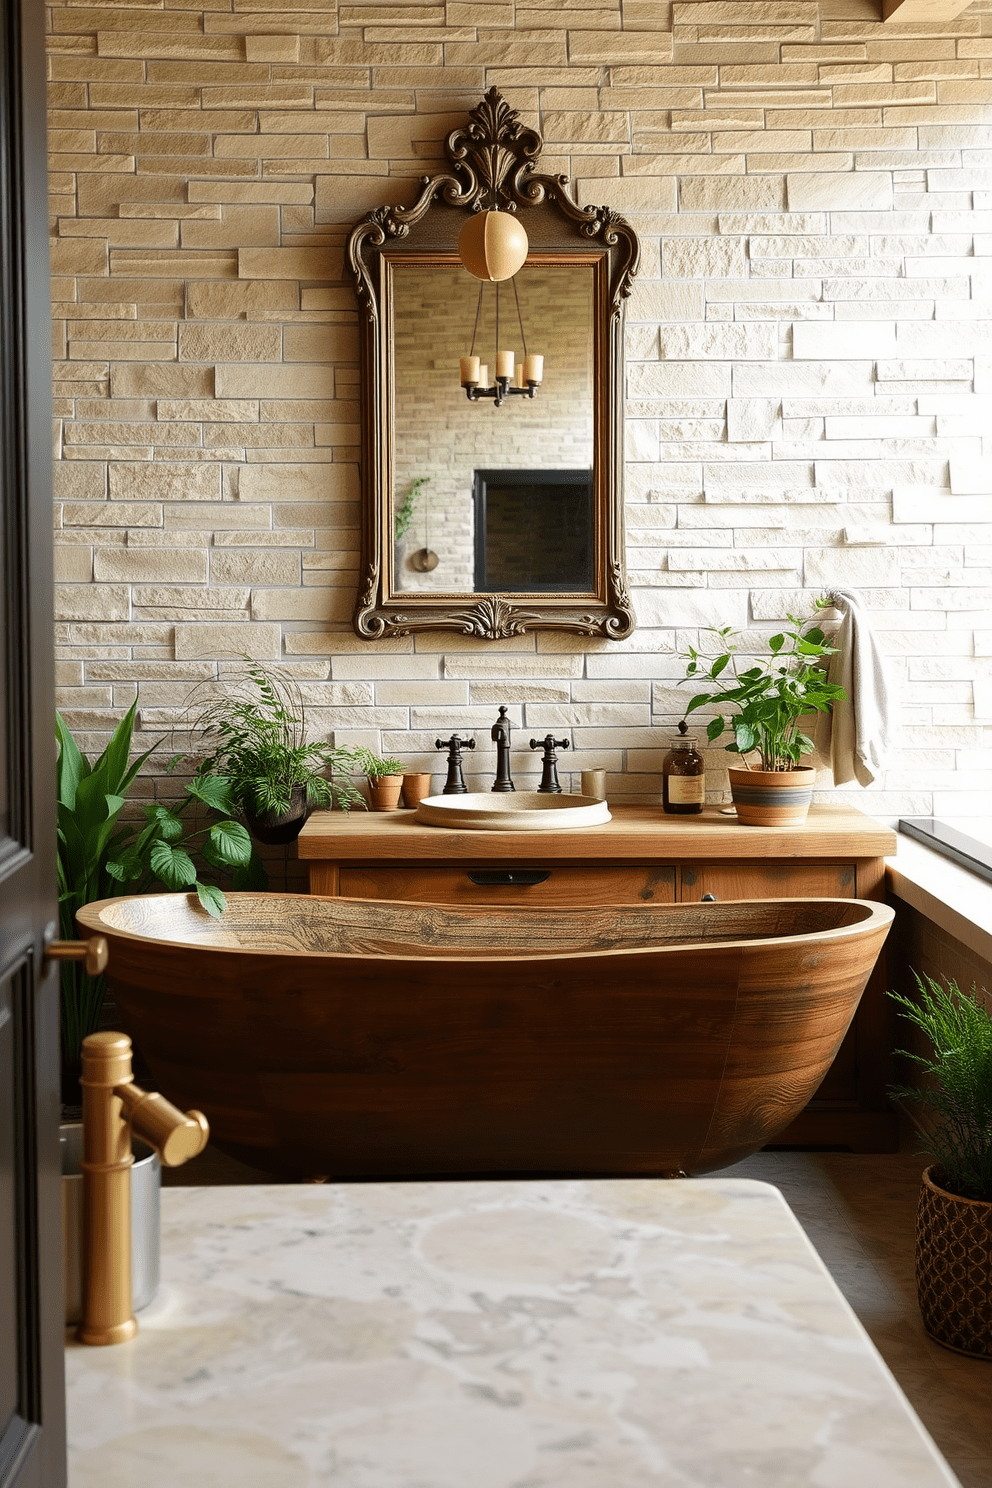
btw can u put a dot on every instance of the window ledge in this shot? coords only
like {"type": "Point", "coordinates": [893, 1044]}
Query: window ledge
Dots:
{"type": "Point", "coordinates": [958, 901]}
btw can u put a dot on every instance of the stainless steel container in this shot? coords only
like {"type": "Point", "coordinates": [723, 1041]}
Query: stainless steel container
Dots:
{"type": "Point", "coordinates": [146, 1176]}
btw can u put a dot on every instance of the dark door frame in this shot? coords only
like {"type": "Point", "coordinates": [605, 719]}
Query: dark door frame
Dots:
{"type": "Point", "coordinates": [32, 1440]}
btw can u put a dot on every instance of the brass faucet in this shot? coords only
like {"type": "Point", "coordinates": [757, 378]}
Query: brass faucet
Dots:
{"type": "Point", "coordinates": [113, 1108]}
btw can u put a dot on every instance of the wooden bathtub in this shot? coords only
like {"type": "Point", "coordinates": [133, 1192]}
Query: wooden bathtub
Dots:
{"type": "Point", "coordinates": [359, 1038]}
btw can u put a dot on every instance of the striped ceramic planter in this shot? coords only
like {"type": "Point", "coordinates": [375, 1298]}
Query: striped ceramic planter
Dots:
{"type": "Point", "coordinates": [772, 798]}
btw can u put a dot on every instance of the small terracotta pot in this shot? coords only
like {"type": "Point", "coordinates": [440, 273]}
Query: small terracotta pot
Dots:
{"type": "Point", "coordinates": [954, 1268]}
{"type": "Point", "coordinates": [384, 792]}
{"type": "Point", "coordinates": [772, 798]}
{"type": "Point", "coordinates": [415, 788]}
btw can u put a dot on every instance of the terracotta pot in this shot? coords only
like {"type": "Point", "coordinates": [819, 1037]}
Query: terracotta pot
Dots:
{"type": "Point", "coordinates": [275, 828]}
{"type": "Point", "coordinates": [954, 1268]}
{"type": "Point", "coordinates": [772, 798]}
{"type": "Point", "coordinates": [415, 788]}
{"type": "Point", "coordinates": [384, 792]}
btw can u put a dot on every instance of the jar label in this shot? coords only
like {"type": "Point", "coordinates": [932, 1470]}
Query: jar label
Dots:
{"type": "Point", "coordinates": [687, 790]}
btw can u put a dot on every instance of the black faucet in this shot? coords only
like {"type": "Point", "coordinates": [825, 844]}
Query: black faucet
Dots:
{"type": "Point", "coordinates": [501, 735]}
{"type": "Point", "coordinates": [455, 783]}
{"type": "Point", "coordinates": [549, 775]}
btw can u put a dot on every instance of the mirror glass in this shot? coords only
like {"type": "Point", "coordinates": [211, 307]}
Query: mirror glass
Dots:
{"type": "Point", "coordinates": [488, 499]}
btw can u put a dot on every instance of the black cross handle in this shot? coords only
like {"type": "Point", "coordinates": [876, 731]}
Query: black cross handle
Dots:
{"type": "Point", "coordinates": [455, 783]}
{"type": "Point", "coordinates": [549, 775]}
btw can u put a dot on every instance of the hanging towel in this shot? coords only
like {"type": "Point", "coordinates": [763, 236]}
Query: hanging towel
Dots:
{"type": "Point", "coordinates": [856, 736]}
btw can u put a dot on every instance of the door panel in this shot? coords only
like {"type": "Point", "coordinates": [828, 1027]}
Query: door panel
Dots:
{"type": "Point", "coordinates": [8, 1234]}
{"type": "Point", "coordinates": [32, 1396]}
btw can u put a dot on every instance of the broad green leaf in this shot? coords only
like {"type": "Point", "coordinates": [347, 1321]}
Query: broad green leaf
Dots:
{"type": "Point", "coordinates": [714, 729]}
{"type": "Point", "coordinates": [211, 898]}
{"type": "Point", "coordinates": [775, 643]}
{"type": "Point", "coordinates": [170, 827]}
{"type": "Point", "coordinates": [698, 702]}
{"type": "Point", "coordinates": [744, 737]}
{"type": "Point", "coordinates": [719, 665]}
{"type": "Point", "coordinates": [212, 790]}
{"type": "Point", "coordinates": [232, 842]}
{"type": "Point", "coordinates": [71, 766]}
{"type": "Point", "coordinates": [114, 758]}
{"type": "Point", "coordinates": [171, 865]}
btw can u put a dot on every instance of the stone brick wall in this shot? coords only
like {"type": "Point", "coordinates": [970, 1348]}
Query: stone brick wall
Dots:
{"type": "Point", "coordinates": [810, 354]}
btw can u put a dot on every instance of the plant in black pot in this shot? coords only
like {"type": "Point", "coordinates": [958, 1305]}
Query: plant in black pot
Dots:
{"type": "Point", "coordinates": [770, 699]}
{"type": "Point", "coordinates": [254, 735]}
{"type": "Point", "coordinates": [954, 1220]}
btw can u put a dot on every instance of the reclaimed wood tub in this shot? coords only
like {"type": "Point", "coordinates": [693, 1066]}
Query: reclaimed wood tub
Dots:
{"type": "Point", "coordinates": [360, 1038]}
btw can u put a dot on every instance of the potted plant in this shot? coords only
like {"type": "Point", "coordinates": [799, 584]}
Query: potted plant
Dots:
{"type": "Point", "coordinates": [100, 856]}
{"type": "Point", "coordinates": [254, 734]}
{"type": "Point", "coordinates": [769, 699]}
{"type": "Point", "coordinates": [385, 778]}
{"type": "Point", "coordinates": [954, 1220]}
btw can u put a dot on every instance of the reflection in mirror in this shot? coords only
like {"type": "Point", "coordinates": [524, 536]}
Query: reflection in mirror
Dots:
{"type": "Point", "coordinates": [503, 496]}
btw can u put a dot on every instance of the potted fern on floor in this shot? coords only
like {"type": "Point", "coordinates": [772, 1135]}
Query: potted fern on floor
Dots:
{"type": "Point", "coordinates": [254, 734]}
{"type": "Point", "coordinates": [770, 699]}
{"type": "Point", "coordinates": [954, 1220]}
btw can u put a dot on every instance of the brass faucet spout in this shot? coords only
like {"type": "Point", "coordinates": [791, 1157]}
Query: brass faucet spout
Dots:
{"type": "Point", "coordinates": [176, 1135]}
{"type": "Point", "coordinates": [113, 1107]}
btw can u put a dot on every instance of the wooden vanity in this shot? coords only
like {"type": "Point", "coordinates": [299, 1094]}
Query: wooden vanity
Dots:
{"type": "Point", "coordinates": [644, 856]}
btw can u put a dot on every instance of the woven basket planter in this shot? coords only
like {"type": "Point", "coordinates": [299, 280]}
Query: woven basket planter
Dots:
{"type": "Point", "coordinates": [954, 1269]}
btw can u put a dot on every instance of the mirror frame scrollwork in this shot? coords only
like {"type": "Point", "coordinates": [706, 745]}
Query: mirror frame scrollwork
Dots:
{"type": "Point", "coordinates": [493, 164]}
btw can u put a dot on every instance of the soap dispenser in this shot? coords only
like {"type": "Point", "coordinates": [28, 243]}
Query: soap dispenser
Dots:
{"type": "Point", "coordinates": [683, 776]}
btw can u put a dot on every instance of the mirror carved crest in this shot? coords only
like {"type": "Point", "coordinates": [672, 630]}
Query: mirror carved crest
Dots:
{"type": "Point", "coordinates": [504, 492]}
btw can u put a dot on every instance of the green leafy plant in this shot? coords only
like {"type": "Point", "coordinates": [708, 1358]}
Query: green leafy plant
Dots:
{"type": "Point", "coordinates": [404, 513]}
{"type": "Point", "coordinates": [957, 1097]}
{"type": "Point", "coordinates": [374, 767]}
{"type": "Point", "coordinates": [769, 697]}
{"type": "Point", "coordinates": [100, 856]}
{"type": "Point", "coordinates": [254, 735]}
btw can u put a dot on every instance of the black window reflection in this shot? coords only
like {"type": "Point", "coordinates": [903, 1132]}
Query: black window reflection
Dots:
{"type": "Point", "coordinates": [533, 531]}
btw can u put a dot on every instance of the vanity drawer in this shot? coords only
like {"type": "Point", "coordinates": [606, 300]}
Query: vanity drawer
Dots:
{"type": "Point", "coordinates": [808, 879]}
{"type": "Point", "coordinates": [564, 885]}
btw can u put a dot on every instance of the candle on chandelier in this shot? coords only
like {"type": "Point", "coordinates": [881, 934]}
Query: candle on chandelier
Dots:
{"type": "Point", "coordinates": [469, 369]}
{"type": "Point", "coordinates": [533, 368]}
{"type": "Point", "coordinates": [504, 364]}
{"type": "Point", "coordinates": [484, 376]}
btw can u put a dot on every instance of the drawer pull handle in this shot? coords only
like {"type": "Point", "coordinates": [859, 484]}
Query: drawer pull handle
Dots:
{"type": "Point", "coordinates": [708, 899]}
{"type": "Point", "coordinates": [517, 877]}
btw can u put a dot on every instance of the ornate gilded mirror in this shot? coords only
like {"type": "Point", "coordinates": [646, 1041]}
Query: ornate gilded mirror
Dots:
{"type": "Point", "coordinates": [492, 426]}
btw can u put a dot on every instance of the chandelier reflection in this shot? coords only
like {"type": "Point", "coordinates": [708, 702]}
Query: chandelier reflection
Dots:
{"type": "Point", "coordinates": [513, 379]}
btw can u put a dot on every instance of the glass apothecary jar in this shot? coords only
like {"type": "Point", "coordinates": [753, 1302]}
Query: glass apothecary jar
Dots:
{"type": "Point", "coordinates": [683, 776]}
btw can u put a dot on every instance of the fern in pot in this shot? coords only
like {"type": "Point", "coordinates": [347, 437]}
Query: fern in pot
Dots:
{"type": "Point", "coordinates": [767, 703]}
{"type": "Point", "coordinates": [954, 1220]}
{"type": "Point", "coordinates": [254, 734]}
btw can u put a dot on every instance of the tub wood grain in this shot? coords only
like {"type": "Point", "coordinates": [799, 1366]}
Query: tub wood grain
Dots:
{"type": "Point", "coordinates": [351, 1038]}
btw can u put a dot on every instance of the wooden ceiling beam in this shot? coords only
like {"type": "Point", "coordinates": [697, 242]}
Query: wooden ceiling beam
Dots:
{"type": "Point", "coordinates": [933, 11]}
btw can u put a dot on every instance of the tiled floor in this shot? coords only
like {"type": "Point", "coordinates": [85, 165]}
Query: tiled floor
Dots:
{"type": "Point", "coordinates": [860, 1214]}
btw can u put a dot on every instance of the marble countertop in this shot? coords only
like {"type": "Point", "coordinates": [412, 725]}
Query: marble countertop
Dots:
{"type": "Point", "coordinates": [568, 1334]}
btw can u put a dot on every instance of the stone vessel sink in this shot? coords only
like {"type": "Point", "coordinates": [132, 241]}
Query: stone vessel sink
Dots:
{"type": "Point", "coordinates": [516, 811]}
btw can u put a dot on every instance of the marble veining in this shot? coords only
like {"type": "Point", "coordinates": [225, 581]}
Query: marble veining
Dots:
{"type": "Point", "coordinates": [567, 1334]}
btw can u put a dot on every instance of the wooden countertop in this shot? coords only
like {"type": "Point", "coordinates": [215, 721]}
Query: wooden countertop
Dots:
{"type": "Point", "coordinates": [637, 834]}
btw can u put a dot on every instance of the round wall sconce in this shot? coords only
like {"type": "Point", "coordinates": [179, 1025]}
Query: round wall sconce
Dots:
{"type": "Point", "coordinates": [493, 245]}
